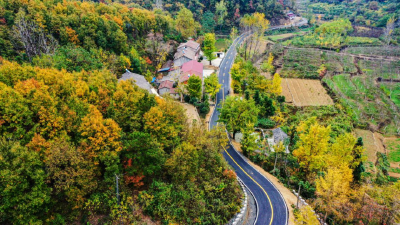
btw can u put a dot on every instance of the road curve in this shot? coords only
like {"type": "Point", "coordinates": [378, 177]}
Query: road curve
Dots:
{"type": "Point", "coordinates": [271, 207]}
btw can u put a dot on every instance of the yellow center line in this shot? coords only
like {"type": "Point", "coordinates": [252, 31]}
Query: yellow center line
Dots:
{"type": "Point", "coordinates": [270, 203]}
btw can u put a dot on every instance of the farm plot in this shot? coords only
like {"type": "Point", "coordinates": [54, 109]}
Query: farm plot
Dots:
{"type": "Point", "coordinates": [308, 63]}
{"type": "Point", "coordinates": [372, 143]}
{"type": "Point", "coordinates": [381, 68]}
{"type": "Point", "coordinates": [302, 92]}
{"type": "Point", "coordinates": [393, 152]}
{"type": "Point", "coordinates": [390, 51]}
{"type": "Point", "coordinates": [301, 63]}
{"type": "Point", "coordinates": [371, 106]}
{"type": "Point", "coordinates": [392, 90]}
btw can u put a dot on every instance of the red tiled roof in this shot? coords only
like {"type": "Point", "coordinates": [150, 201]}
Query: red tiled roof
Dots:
{"type": "Point", "coordinates": [191, 68]}
{"type": "Point", "coordinates": [166, 84]}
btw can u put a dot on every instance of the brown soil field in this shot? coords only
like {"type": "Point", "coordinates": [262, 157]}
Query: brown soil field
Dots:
{"type": "Point", "coordinates": [372, 143]}
{"type": "Point", "coordinates": [302, 92]}
{"type": "Point", "coordinates": [375, 142]}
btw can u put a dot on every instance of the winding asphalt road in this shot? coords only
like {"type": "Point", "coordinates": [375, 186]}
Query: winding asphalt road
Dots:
{"type": "Point", "coordinates": [271, 207]}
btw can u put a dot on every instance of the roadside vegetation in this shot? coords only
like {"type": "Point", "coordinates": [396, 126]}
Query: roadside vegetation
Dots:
{"type": "Point", "coordinates": [327, 160]}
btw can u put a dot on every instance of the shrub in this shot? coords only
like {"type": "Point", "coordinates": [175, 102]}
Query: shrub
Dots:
{"type": "Point", "coordinates": [265, 123]}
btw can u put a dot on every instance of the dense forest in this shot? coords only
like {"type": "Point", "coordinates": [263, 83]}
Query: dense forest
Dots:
{"type": "Point", "coordinates": [226, 12]}
{"type": "Point", "coordinates": [66, 136]}
{"type": "Point", "coordinates": [76, 145]}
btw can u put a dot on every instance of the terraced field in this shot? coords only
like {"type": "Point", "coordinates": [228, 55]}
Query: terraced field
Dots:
{"type": "Point", "coordinates": [302, 92]}
{"type": "Point", "coordinates": [369, 103]}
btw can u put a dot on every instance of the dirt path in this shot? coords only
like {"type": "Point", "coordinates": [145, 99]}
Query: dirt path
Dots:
{"type": "Point", "coordinates": [289, 197]}
{"type": "Point", "coordinates": [191, 113]}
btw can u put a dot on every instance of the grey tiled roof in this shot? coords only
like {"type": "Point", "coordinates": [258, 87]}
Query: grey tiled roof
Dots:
{"type": "Point", "coordinates": [139, 80]}
{"type": "Point", "coordinates": [279, 135]}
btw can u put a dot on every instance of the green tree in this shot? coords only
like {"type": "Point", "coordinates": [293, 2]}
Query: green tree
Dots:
{"type": "Point", "coordinates": [209, 46]}
{"type": "Point", "coordinates": [194, 86]}
{"type": "Point", "coordinates": [221, 11]}
{"type": "Point", "coordinates": [248, 142]}
{"type": "Point", "coordinates": [208, 22]}
{"type": "Point", "coordinates": [142, 154]}
{"type": "Point", "coordinates": [360, 168]}
{"type": "Point", "coordinates": [257, 97]}
{"type": "Point", "coordinates": [236, 113]}
{"type": "Point", "coordinates": [185, 23]}
{"type": "Point", "coordinates": [268, 107]}
{"type": "Point", "coordinates": [24, 195]}
{"type": "Point", "coordinates": [234, 33]}
{"type": "Point", "coordinates": [212, 85]}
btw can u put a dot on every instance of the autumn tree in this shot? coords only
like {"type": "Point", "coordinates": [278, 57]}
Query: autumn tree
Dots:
{"type": "Point", "coordinates": [142, 156]}
{"type": "Point", "coordinates": [268, 66]}
{"type": "Point", "coordinates": [305, 216]}
{"type": "Point", "coordinates": [194, 86]}
{"type": "Point", "coordinates": [101, 141]}
{"type": "Point", "coordinates": [236, 113]}
{"type": "Point", "coordinates": [389, 29]}
{"type": "Point", "coordinates": [212, 85]}
{"type": "Point", "coordinates": [209, 46]}
{"type": "Point", "coordinates": [165, 123]}
{"type": "Point", "coordinates": [72, 176]}
{"type": "Point", "coordinates": [334, 190]}
{"type": "Point", "coordinates": [185, 23]}
{"type": "Point", "coordinates": [312, 147]}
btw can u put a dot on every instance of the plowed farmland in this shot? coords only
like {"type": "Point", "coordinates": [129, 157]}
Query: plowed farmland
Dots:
{"type": "Point", "coordinates": [301, 92]}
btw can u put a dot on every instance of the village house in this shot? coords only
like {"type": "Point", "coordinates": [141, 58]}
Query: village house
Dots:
{"type": "Point", "coordinates": [186, 52]}
{"type": "Point", "coordinates": [278, 135]}
{"type": "Point", "coordinates": [167, 87]}
{"type": "Point", "coordinates": [191, 68]}
{"type": "Point", "coordinates": [139, 80]}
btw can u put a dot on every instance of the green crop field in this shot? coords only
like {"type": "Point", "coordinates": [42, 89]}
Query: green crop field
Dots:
{"type": "Point", "coordinates": [381, 50]}
{"type": "Point", "coordinates": [222, 44]}
{"type": "Point", "coordinates": [370, 103]}
{"type": "Point", "coordinates": [393, 147]}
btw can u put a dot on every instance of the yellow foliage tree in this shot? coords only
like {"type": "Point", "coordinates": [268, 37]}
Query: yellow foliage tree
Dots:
{"type": "Point", "coordinates": [313, 146]}
{"type": "Point", "coordinates": [276, 87]}
{"type": "Point", "coordinates": [102, 136]}
{"type": "Point", "coordinates": [334, 191]}
{"type": "Point", "coordinates": [305, 216]}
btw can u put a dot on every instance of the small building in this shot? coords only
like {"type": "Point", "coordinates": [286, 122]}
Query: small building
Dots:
{"type": "Point", "coordinates": [278, 135]}
{"type": "Point", "coordinates": [219, 54]}
{"type": "Point", "coordinates": [167, 87]}
{"type": "Point", "coordinates": [191, 68]}
{"type": "Point", "coordinates": [139, 80]}
{"type": "Point", "coordinates": [186, 52]}
{"type": "Point", "coordinates": [291, 15]}
{"type": "Point", "coordinates": [166, 67]}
